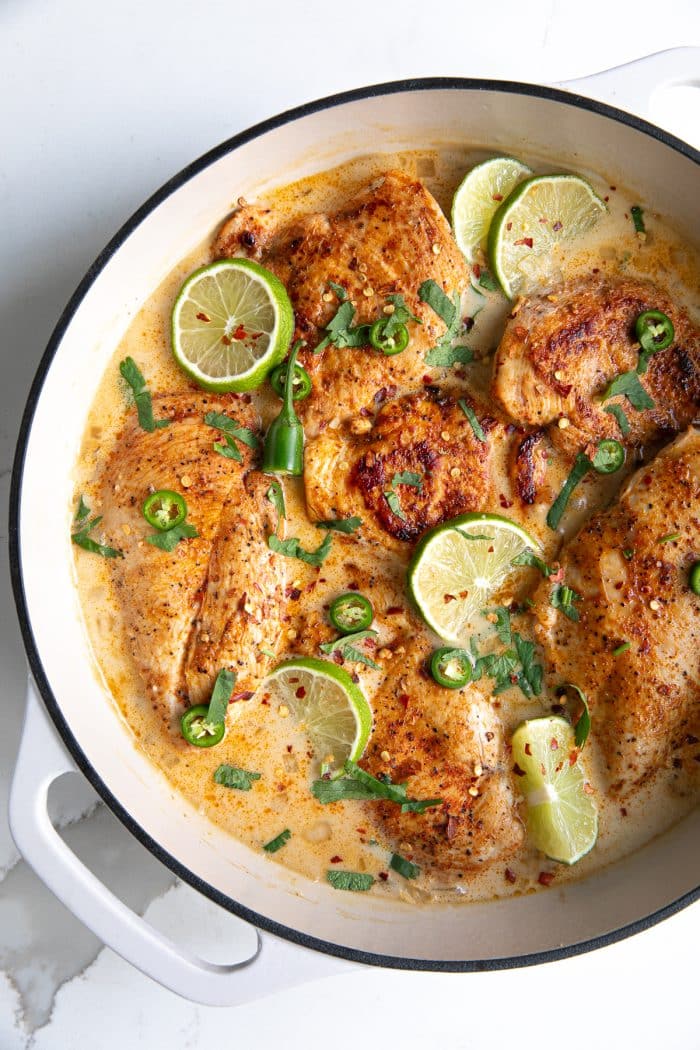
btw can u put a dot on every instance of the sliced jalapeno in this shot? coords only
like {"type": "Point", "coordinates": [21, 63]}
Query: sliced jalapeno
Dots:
{"type": "Point", "coordinates": [351, 612]}
{"type": "Point", "coordinates": [694, 577]}
{"type": "Point", "coordinates": [164, 509]}
{"type": "Point", "coordinates": [198, 731]}
{"type": "Point", "coordinates": [389, 337]}
{"type": "Point", "coordinates": [451, 668]}
{"type": "Point", "coordinates": [654, 330]}
{"type": "Point", "coordinates": [609, 456]}
{"type": "Point", "coordinates": [301, 382]}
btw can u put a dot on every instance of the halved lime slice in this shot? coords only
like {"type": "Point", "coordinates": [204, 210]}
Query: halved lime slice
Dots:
{"type": "Point", "coordinates": [458, 566]}
{"type": "Point", "coordinates": [331, 708]}
{"type": "Point", "coordinates": [231, 324]}
{"type": "Point", "coordinates": [562, 819]}
{"type": "Point", "coordinates": [539, 214]}
{"type": "Point", "coordinates": [479, 197]}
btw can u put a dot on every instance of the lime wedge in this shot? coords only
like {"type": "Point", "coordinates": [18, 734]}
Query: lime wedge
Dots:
{"type": "Point", "coordinates": [231, 324]}
{"type": "Point", "coordinates": [537, 216]}
{"type": "Point", "coordinates": [562, 819]}
{"type": "Point", "coordinates": [331, 708]}
{"type": "Point", "coordinates": [478, 198]}
{"type": "Point", "coordinates": [458, 566]}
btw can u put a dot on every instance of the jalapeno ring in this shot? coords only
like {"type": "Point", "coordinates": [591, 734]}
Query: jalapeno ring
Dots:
{"type": "Point", "coordinates": [164, 509]}
{"type": "Point", "coordinates": [351, 612]}
{"type": "Point", "coordinates": [197, 731]}
{"type": "Point", "coordinates": [393, 342]}
{"type": "Point", "coordinates": [451, 668]}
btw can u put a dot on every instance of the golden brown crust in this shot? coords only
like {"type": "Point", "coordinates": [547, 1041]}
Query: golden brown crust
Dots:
{"type": "Point", "coordinates": [561, 350]}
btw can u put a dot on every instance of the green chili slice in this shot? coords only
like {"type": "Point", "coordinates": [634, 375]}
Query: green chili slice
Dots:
{"type": "Point", "coordinates": [198, 731]}
{"type": "Point", "coordinates": [609, 456]}
{"type": "Point", "coordinates": [654, 330]}
{"type": "Point", "coordinates": [351, 612]}
{"type": "Point", "coordinates": [451, 668]}
{"type": "Point", "coordinates": [283, 452]}
{"type": "Point", "coordinates": [694, 577]}
{"type": "Point", "coordinates": [164, 510]}
{"type": "Point", "coordinates": [389, 337]}
{"type": "Point", "coordinates": [301, 383]}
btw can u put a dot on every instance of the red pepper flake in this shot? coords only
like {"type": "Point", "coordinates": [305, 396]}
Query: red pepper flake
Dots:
{"type": "Point", "coordinates": [518, 771]}
{"type": "Point", "coordinates": [394, 610]}
{"type": "Point", "coordinates": [510, 875]}
{"type": "Point", "coordinates": [509, 226]}
{"type": "Point", "coordinates": [427, 380]}
{"type": "Point", "coordinates": [300, 693]}
{"type": "Point", "coordinates": [545, 878]}
{"type": "Point", "coordinates": [623, 811]}
{"type": "Point", "coordinates": [203, 317]}
{"type": "Point", "coordinates": [355, 677]}
{"type": "Point", "coordinates": [245, 695]}
{"type": "Point", "coordinates": [361, 831]}
{"type": "Point", "coordinates": [553, 744]}
{"type": "Point", "coordinates": [404, 699]}
{"type": "Point", "coordinates": [451, 827]}
{"type": "Point", "coordinates": [383, 875]}
{"type": "Point", "coordinates": [647, 479]}
{"type": "Point", "coordinates": [240, 333]}
{"type": "Point", "coordinates": [336, 859]}
{"type": "Point", "coordinates": [290, 748]}
{"type": "Point", "coordinates": [295, 594]}
{"type": "Point", "coordinates": [504, 501]}
{"type": "Point", "coordinates": [528, 749]}
{"type": "Point", "coordinates": [526, 241]}
{"type": "Point", "coordinates": [353, 586]}
{"type": "Point", "coordinates": [476, 270]}
{"type": "Point", "coordinates": [498, 196]}
{"type": "Point", "coordinates": [573, 756]}
{"type": "Point", "coordinates": [225, 340]}
{"type": "Point", "coordinates": [556, 226]}
{"type": "Point", "coordinates": [587, 788]}
{"type": "Point", "coordinates": [447, 598]}
{"type": "Point", "coordinates": [489, 736]}
{"type": "Point", "coordinates": [265, 701]}
{"type": "Point", "coordinates": [613, 188]}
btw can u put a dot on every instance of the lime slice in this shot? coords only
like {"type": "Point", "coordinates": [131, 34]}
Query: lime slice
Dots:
{"type": "Point", "coordinates": [458, 566]}
{"type": "Point", "coordinates": [331, 708]}
{"type": "Point", "coordinates": [231, 324]}
{"type": "Point", "coordinates": [478, 198]}
{"type": "Point", "coordinates": [562, 819]}
{"type": "Point", "coordinates": [538, 215]}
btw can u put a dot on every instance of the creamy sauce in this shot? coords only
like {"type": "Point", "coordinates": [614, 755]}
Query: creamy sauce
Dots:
{"type": "Point", "coordinates": [261, 739]}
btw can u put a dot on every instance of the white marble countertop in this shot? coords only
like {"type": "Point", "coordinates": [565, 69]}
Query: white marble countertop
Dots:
{"type": "Point", "coordinates": [102, 103]}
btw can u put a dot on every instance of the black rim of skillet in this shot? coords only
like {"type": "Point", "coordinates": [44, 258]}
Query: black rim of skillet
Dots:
{"type": "Point", "coordinates": [260, 921]}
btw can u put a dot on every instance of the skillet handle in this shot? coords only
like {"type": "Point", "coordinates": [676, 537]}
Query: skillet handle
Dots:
{"type": "Point", "coordinates": [276, 964]}
{"type": "Point", "coordinates": [632, 85]}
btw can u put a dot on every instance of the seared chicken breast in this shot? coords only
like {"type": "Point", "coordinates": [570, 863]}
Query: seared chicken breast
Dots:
{"type": "Point", "coordinates": [189, 612]}
{"type": "Point", "coordinates": [448, 745]}
{"type": "Point", "coordinates": [388, 239]}
{"type": "Point", "coordinates": [420, 462]}
{"type": "Point", "coordinates": [560, 351]}
{"type": "Point", "coordinates": [630, 566]}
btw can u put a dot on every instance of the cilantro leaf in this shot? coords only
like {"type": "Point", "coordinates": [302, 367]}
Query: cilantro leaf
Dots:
{"type": "Point", "coordinates": [473, 421]}
{"type": "Point", "coordinates": [404, 867]}
{"type": "Point", "coordinates": [447, 356]}
{"type": "Point", "coordinates": [130, 372]}
{"type": "Point", "coordinates": [394, 505]}
{"type": "Point", "coordinates": [221, 694]}
{"type": "Point", "coordinates": [407, 477]}
{"type": "Point", "coordinates": [233, 777]}
{"type": "Point", "coordinates": [233, 432]}
{"type": "Point", "coordinates": [275, 495]}
{"type": "Point", "coordinates": [622, 420]}
{"type": "Point", "coordinates": [628, 385]}
{"type": "Point", "coordinates": [291, 548]}
{"type": "Point", "coordinates": [357, 881]}
{"type": "Point", "coordinates": [346, 645]}
{"type": "Point", "coordinates": [347, 525]}
{"type": "Point", "coordinates": [582, 465]}
{"type": "Point", "coordinates": [360, 785]}
{"type": "Point", "coordinates": [637, 219]}
{"type": "Point", "coordinates": [488, 281]}
{"type": "Point", "coordinates": [530, 678]}
{"type": "Point", "coordinates": [582, 725]}
{"type": "Point", "coordinates": [278, 842]}
{"type": "Point", "coordinates": [168, 541]}
{"type": "Point", "coordinates": [400, 315]}
{"type": "Point", "coordinates": [529, 558]}
{"type": "Point", "coordinates": [431, 293]}
{"type": "Point", "coordinates": [563, 598]}
{"type": "Point", "coordinates": [502, 623]}
{"type": "Point", "coordinates": [340, 330]}
{"type": "Point", "coordinates": [340, 292]}
{"type": "Point", "coordinates": [81, 537]}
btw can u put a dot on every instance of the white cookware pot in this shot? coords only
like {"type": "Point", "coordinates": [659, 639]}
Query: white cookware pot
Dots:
{"type": "Point", "coordinates": [70, 723]}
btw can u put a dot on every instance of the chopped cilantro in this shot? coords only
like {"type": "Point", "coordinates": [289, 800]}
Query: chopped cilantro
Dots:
{"type": "Point", "coordinates": [563, 598]}
{"type": "Point", "coordinates": [291, 548]}
{"type": "Point", "coordinates": [233, 777]}
{"type": "Point", "coordinates": [278, 842]}
{"type": "Point", "coordinates": [232, 432]}
{"type": "Point", "coordinates": [628, 385]}
{"type": "Point", "coordinates": [81, 537]}
{"type": "Point", "coordinates": [347, 525]}
{"type": "Point", "coordinates": [131, 373]}
{"type": "Point", "coordinates": [622, 420]}
{"type": "Point", "coordinates": [448, 356]}
{"type": "Point", "coordinates": [360, 785]}
{"type": "Point", "coordinates": [275, 495]}
{"type": "Point", "coordinates": [168, 541]}
{"type": "Point", "coordinates": [473, 421]}
{"type": "Point", "coordinates": [358, 881]}
{"type": "Point", "coordinates": [528, 557]}
{"type": "Point", "coordinates": [404, 867]}
{"type": "Point", "coordinates": [501, 623]}
{"type": "Point", "coordinates": [582, 465]}
{"type": "Point", "coordinates": [347, 645]}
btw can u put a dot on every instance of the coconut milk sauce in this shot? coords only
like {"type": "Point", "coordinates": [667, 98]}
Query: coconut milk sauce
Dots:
{"type": "Point", "coordinates": [261, 739]}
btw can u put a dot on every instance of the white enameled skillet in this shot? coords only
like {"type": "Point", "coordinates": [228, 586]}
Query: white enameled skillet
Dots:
{"type": "Point", "coordinates": [302, 928]}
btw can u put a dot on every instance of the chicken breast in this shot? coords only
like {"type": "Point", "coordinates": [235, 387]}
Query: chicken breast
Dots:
{"type": "Point", "coordinates": [388, 239]}
{"type": "Point", "coordinates": [560, 351]}
{"type": "Point", "coordinates": [447, 745]}
{"type": "Point", "coordinates": [419, 463]}
{"type": "Point", "coordinates": [630, 565]}
{"type": "Point", "coordinates": [190, 612]}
